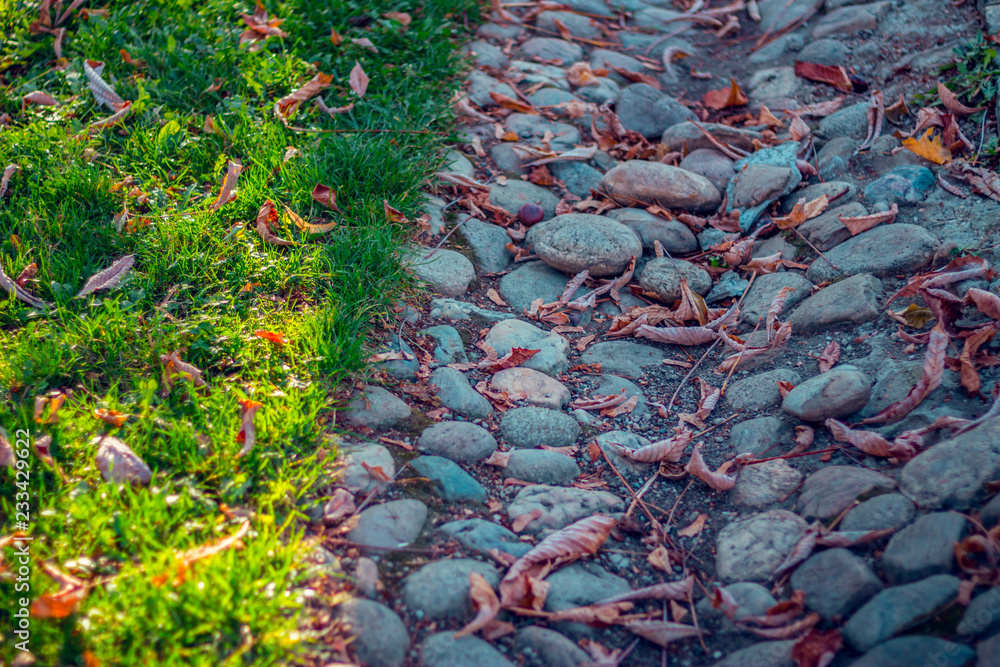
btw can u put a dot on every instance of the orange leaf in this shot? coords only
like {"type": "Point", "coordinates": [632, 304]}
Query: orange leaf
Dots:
{"type": "Point", "coordinates": [112, 417]}
{"type": "Point", "coordinates": [276, 338]}
{"type": "Point", "coordinates": [929, 148]}
{"type": "Point", "coordinates": [248, 432]}
{"type": "Point", "coordinates": [486, 601]}
{"type": "Point", "coordinates": [335, 37]}
{"type": "Point", "coordinates": [835, 76]}
{"type": "Point", "coordinates": [724, 98]}
{"type": "Point", "coordinates": [863, 223]}
{"type": "Point", "coordinates": [266, 217]}
{"type": "Point", "coordinates": [226, 193]}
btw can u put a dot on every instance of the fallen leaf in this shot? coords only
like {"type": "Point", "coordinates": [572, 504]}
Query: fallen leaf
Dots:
{"type": "Point", "coordinates": [835, 76]}
{"type": "Point", "coordinates": [276, 338]}
{"type": "Point", "coordinates": [677, 335]}
{"type": "Point", "coordinates": [493, 296]}
{"type": "Point", "coordinates": [515, 357]}
{"type": "Point", "coordinates": [266, 217]}
{"type": "Point", "coordinates": [969, 374]}
{"type": "Point", "coordinates": [876, 114]}
{"type": "Point", "coordinates": [951, 103]}
{"type": "Point", "coordinates": [112, 417]}
{"type": "Point", "coordinates": [110, 277]}
{"type": "Point", "coordinates": [669, 449]}
{"type": "Point", "coordinates": [803, 439]}
{"type": "Point", "coordinates": [401, 17]}
{"type": "Point", "coordinates": [817, 648]}
{"type": "Point", "coordinates": [39, 98]}
{"type": "Point", "coordinates": [985, 302]}
{"type": "Point", "coordinates": [118, 463]}
{"type": "Point", "coordinates": [829, 357]}
{"type": "Point", "coordinates": [580, 74]}
{"type": "Point", "coordinates": [867, 441]}
{"type": "Point", "coordinates": [595, 615]}
{"type": "Point", "coordinates": [339, 507]}
{"type": "Point", "coordinates": [358, 80]}
{"type": "Point", "coordinates": [696, 466]}
{"type": "Point", "coordinates": [65, 600]}
{"type": "Point", "coordinates": [913, 316]}
{"type": "Point", "coordinates": [821, 109]}
{"type": "Point", "coordinates": [662, 633]}
{"type": "Point", "coordinates": [53, 401]}
{"type": "Point", "coordinates": [248, 432]}
{"type": "Point", "coordinates": [695, 528]}
{"type": "Point", "coordinates": [8, 172]}
{"type": "Point", "coordinates": [671, 590]}
{"type": "Point", "coordinates": [112, 120]}
{"type": "Point", "coordinates": [863, 223]}
{"type": "Point", "coordinates": [724, 98]}
{"type": "Point", "coordinates": [335, 37]}
{"type": "Point", "coordinates": [364, 43]}
{"type": "Point", "coordinates": [309, 227]}
{"type": "Point", "coordinates": [521, 521]}
{"type": "Point", "coordinates": [227, 192]}
{"type": "Point", "coordinates": [773, 310]}
{"type": "Point", "coordinates": [929, 148]}
{"type": "Point", "coordinates": [983, 181]}
{"type": "Point", "coordinates": [332, 111]}
{"type": "Point", "coordinates": [103, 93]}
{"type": "Point", "coordinates": [660, 559]}
{"type": "Point", "coordinates": [325, 196]}
{"type": "Point", "coordinates": [284, 106]}
{"type": "Point", "coordinates": [486, 601]}
{"type": "Point", "coordinates": [937, 346]}
{"type": "Point", "coordinates": [803, 211]}
{"type": "Point", "coordinates": [174, 367]}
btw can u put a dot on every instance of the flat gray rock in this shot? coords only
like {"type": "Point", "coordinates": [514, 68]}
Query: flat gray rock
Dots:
{"type": "Point", "coordinates": [577, 242]}
{"type": "Point", "coordinates": [765, 288]}
{"type": "Point", "coordinates": [448, 347]}
{"type": "Point", "coordinates": [390, 525]}
{"type": "Point", "coordinates": [981, 618]}
{"type": "Point", "coordinates": [845, 21]}
{"type": "Point", "coordinates": [578, 585]}
{"type": "Point", "coordinates": [443, 650]}
{"type": "Point", "coordinates": [897, 609]}
{"type": "Point", "coordinates": [548, 48]}
{"type": "Point", "coordinates": [760, 391]}
{"type": "Point", "coordinates": [835, 156]}
{"type": "Point", "coordinates": [913, 650]}
{"type": "Point", "coordinates": [376, 409]}
{"type": "Point", "coordinates": [848, 302]}
{"type": "Point", "coordinates": [826, 231]}
{"type": "Point", "coordinates": [888, 511]}
{"type": "Point", "coordinates": [525, 384]}
{"type": "Point", "coordinates": [485, 54]}
{"type": "Point", "coordinates": [663, 277]}
{"type": "Point", "coordinates": [441, 589]}
{"type": "Point", "coordinates": [454, 310]}
{"type": "Point", "coordinates": [482, 84]}
{"type": "Point", "coordinates": [353, 476]}
{"type": "Point", "coordinates": [619, 357]}
{"type": "Point", "coordinates": [648, 111]}
{"type": "Point", "coordinates": [458, 395]}
{"type": "Point", "coordinates": [560, 506]}
{"type": "Point", "coordinates": [579, 177]}
{"type": "Point", "coordinates": [905, 185]}
{"type": "Point", "coordinates": [628, 440]}
{"type": "Point", "coordinates": [400, 369]}
{"type": "Point", "coordinates": [612, 385]}
{"type": "Point", "coordinates": [489, 243]}
{"type": "Point", "coordinates": [532, 129]}
{"type": "Point", "coordinates": [765, 483]}
{"type": "Point", "coordinates": [830, 490]}
{"type": "Point", "coordinates": [836, 582]}
{"type": "Point", "coordinates": [450, 273]}
{"type": "Point", "coordinates": [515, 194]}
{"type": "Point", "coordinates": [751, 599]}
{"type": "Point", "coordinates": [577, 25]}
{"type": "Point", "coordinates": [751, 549]}
{"type": "Point", "coordinates": [711, 164]}
{"type": "Point", "coordinates": [759, 183]}
{"type": "Point", "coordinates": [452, 483]}
{"type": "Point", "coordinates": [552, 347]}
{"type": "Point", "coordinates": [550, 647]}
{"type": "Point", "coordinates": [541, 466]}
{"type": "Point", "coordinates": [641, 182]}
{"type": "Point", "coordinates": [760, 435]}
{"type": "Point", "coordinates": [686, 137]}
{"type": "Point", "coordinates": [481, 536]}
{"type": "Point", "coordinates": [774, 83]}
{"type": "Point", "coordinates": [534, 280]}
{"type": "Point", "coordinates": [761, 654]}
{"type": "Point", "coordinates": [923, 548]}
{"type": "Point", "coordinates": [850, 121]}
{"type": "Point", "coordinates": [883, 251]}
{"type": "Point", "coordinates": [532, 427]}
{"type": "Point", "coordinates": [461, 442]}
{"type": "Point", "coordinates": [836, 393]}
{"type": "Point", "coordinates": [379, 637]}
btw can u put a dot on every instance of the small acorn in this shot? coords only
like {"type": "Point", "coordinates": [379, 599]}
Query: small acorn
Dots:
{"type": "Point", "coordinates": [530, 214]}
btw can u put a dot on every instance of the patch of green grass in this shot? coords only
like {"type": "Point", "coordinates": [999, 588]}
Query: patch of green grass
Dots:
{"type": "Point", "coordinates": [202, 284]}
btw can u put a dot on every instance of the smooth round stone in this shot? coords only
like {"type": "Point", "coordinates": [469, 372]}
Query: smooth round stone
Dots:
{"type": "Point", "coordinates": [448, 347]}
{"type": "Point", "coordinates": [751, 549]}
{"type": "Point", "coordinates": [830, 490]}
{"type": "Point", "coordinates": [560, 505]}
{"type": "Point", "coordinates": [622, 357]}
{"type": "Point", "coordinates": [765, 483]}
{"type": "Point", "coordinates": [577, 25]}
{"type": "Point", "coordinates": [481, 536]}
{"type": "Point", "coordinates": [579, 178]}
{"type": "Point", "coordinates": [852, 301]}
{"type": "Point", "coordinates": [686, 137]}
{"type": "Point", "coordinates": [845, 21]}
{"type": "Point", "coordinates": [648, 111]}
{"type": "Point", "coordinates": [354, 476]}
{"type": "Point", "coordinates": [449, 272]}
{"type": "Point", "coordinates": [443, 650]}
{"type": "Point", "coordinates": [461, 442]}
{"type": "Point", "coordinates": [441, 589]}
{"type": "Point", "coordinates": [552, 648]}
{"type": "Point", "coordinates": [485, 54]}
{"type": "Point", "coordinates": [541, 467]}
{"type": "Point", "coordinates": [533, 129]}
{"type": "Point", "coordinates": [663, 277]}
{"type": "Point", "coordinates": [851, 121]}
{"type": "Point", "coordinates": [773, 83]}
{"type": "Point", "coordinates": [826, 231]}
{"type": "Point", "coordinates": [758, 183]}
{"type": "Point", "coordinates": [760, 391]}
{"type": "Point", "coordinates": [390, 524]}
{"type": "Point", "coordinates": [530, 427]}
{"type": "Point", "coordinates": [836, 393]}
{"type": "Point", "coordinates": [552, 348]}
{"type": "Point", "coordinates": [906, 184]}
{"type": "Point", "coordinates": [577, 242]}
{"type": "Point", "coordinates": [641, 182]}
{"type": "Point", "coordinates": [534, 280]}
{"type": "Point", "coordinates": [515, 194]}
{"type": "Point", "coordinates": [836, 582]}
{"type": "Point", "coordinates": [711, 164]}
{"type": "Point", "coordinates": [489, 243]}
{"type": "Point", "coordinates": [525, 384]}
{"type": "Point", "coordinates": [825, 52]}
{"type": "Point", "coordinates": [924, 548]}
{"type": "Point", "coordinates": [451, 482]}
{"type": "Point", "coordinates": [606, 91]}
{"type": "Point", "coordinates": [507, 161]}
{"type": "Point", "coordinates": [377, 409]}
{"type": "Point", "coordinates": [482, 84]}
{"type": "Point", "coordinates": [913, 650]}
{"type": "Point", "coordinates": [765, 288]}
{"type": "Point", "coordinates": [379, 637]}
{"type": "Point", "coordinates": [760, 435]}
{"type": "Point", "coordinates": [674, 236]}
{"type": "Point", "coordinates": [890, 511]}
{"type": "Point", "coordinates": [457, 394]}
{"type": "Point", "coordinates": [548, 48]}
{"type": "Point", "coordinates": [579, 585]}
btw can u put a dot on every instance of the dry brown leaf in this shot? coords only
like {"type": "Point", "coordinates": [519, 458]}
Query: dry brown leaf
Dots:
{"type": "Point", "coordinates": [358, 80]}
{"type": "Point", "coordinates": [325, 196]}
{"type": "Point", "coordinates": [913, 316]}
{"type": "Point", "coordinates": [227, 192]}
{"type": "Point", "coordinates": [802, 211]}
{"type": "Point", "coordinates": [929, 147]}
{"type": "Point", "coordinates": [773, 310]}
{"type": "Point", "coordinates": [784, 388]}
{"type": "Point", "coordinates": [19, 293]}
{"type": "Point", "coordinates": [829, 357]}
{"type": "Point", "coordinates": [671, 590]}
{"type": "Point", "coordinates": [662, 633]}
{"type": "Point", "coordinates": [103, 93]}
{"type": "Point", "coordinates": [248, 431]}
{"type": "Point", "coordinates": [580, 74]}
{"type": "Point", "coordinates": [599, 401]}
{"type": "Point", "coordinates": [821, 109]}
{"type": "Point", "coordinates": [803, 439]}
{"type": "Point", "coordinates": [985, 302]}
{"type": "Point", "coordinates": [835, 76]}
{"type": "Point", "coordinates": [695, 528]}
{"type": "Point", "coordinates": [64, 601]}
{"type": "Point", "coordinates": [867, 441]}
{"type": "Point", "coordinates": [724, 98]}
{"type": "Point", "coordinates": [624, 408]}
{"type": "Point", "coordinates": [521, 521]}
{"type": "Point", "coordinates": [188, 558]}
{"type": "Point", "coordinates": [118, 463]}
{"type": "Point", "coordinates": [8, 172]}
{"type": "Point", "coordinates": [333, 111]}
{"type": "Point", "coordinates": [174, 367]}
{"type": "Point", "coordinates": [669, 449]}
{"type": "Point", "coordinates": [266, 217]}
{"type": "Point", "coordinates": [696, 466]}
{"type": "Point", "coordinates": [110, 277]}
{"type": "Point", "coordinates": [112, 120]}
{"type": "Point", "coordinates": [951, 103]}
{"type": "Point", "coordinates": [970, 376]}
{"type": "Point", "coordinates": [660, 559]}
{"type": "Point", "coordinates": [112, 417]}
{"type": "Point", "coordinates": [401, 17]}
{"type": "Point", "coordinates": [335, 37]}
{"type": "Point", "coordinates": [863, 223]}
{"type": "Point", "coordinates": [284, 106]}
{"type": "Point", "coordinates": [515, 357]}
{"type": "Point", "coordinates": [983, 181]}
{"type": "Point", "coordinates": [308, 227]}
{"type": "Point", "coordinates": [937, 346]}
{"type": "Point", "coordinates": [39, 98]}
{"type": "Point", "coordinates": [817, 649]}
{"type": "Point", "coordinates": [677, 335]}
{"type": "Point", "coordinates": [596, 615]}
{"type": "Point", "coordinates": [486, 601]}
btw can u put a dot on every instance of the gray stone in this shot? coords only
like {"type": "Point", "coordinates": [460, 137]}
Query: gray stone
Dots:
{"type": "Point", "coordinates": [448, 347]}
{"type": "Point", "coordinates": [765, 483]}
{"type": "Point", "coordinates": [560, 506]}
{"type": "Point", "coordinates": [547, 97]}
{"type": "Point", "coordinates": [578, 26]}
{"type": "Point", "coordinates": [534, 280]}
{"type": "Point", "coordinates": [662, 275]}
{"type": "Point", "coordinates": [773, 51]}
{"type": "Point", "coordinates": [482, 536]}
{"type": "Point", "coordinates": [912, 650]}
{"type": "Point", "coordinates": [379, 637]}
{"type": "Point", "coordinates": [729, 286]}
{"type": "Point", "coordinates": [434, 207]}
{"type": "Point", "coordinates": [897, 609]}
{"type": "Point", "coordinates": [835, 156]}
{"type": "Point", "coordinates": [982, 616]}
{"type": "Point", "coordinates": [759, 183]}
{"type": "Point", "coordinates": [773, 83]}
{"type": "Point", "coordinates": [765, 288]}
{"type": "Point", "coordinates": [924, 548]}
{"type": "Point", "coordinates": [844, 21]}
{"type": "Point", "coordinates": [482, 84]}
{"type": "Point", "coordinates": [541, 467]}
{"type": "Point", "coordinates": [839, 193]}
{"type": "Point", "coordinates": [830, 490]}
{"type": "Point", "coordinates": [534, 74]}
{"type": "Point", "coordinates": [990, 514]}
{"type": "Point", "coordinates": [578, 177]}
{"type": "Point", "coordinates": [954, 474]}
{"type": "Point", "coordinates": [826, 231]}
{"type": "Point", "coordinates": [664, 19]}
{"type": "Point", "coordinates": [389, 525]}
{"type": "Point", "coordinates": [760, 435]}
{"type": "Point", "coordinates": [526, 384]}
{"type": "Point", "coordinates": [619, 357]}
{"type": "Point", "coordinates": [761, 654]}
{"type": "Point", "coordinates": [711, 164]}
{"type": "Point", "coordinates": [851, 121]}
{"type": "Point", "coordinates": [648, 111]}
{"type": "Point", "coordinates": [836, 393]}
{"type": "Point", "coordinates": [579, 585]}
{"type": "Point", "coordinates": [454, 311]}
{"type": "Point", "coordinates": [489, 243]}
{"type": "Point", "coordinates": [550, 647]}
{"type": "Point", "coordinates": [376, 409]}
{"type": "Point", "coordinates": [628, 440]}
{"type": "Point", "coordinates": [612, 385]}
{"type": "Point", "coordinates": [458, 395]}
{"type": "Point", "coordinates": [485, 54]}
{"type": "Point", "coordinates": [447, 271]}
{"type": "Point", "coordinates": [457, 163]}
{"type": "Point", "coordinates": [400, 369]}
{"type": "Point", "coordinates": [686, 137]}
{"type": "Point", "coordinates": [499, 31]}
{"type": "Point", "coordinates": [453, 484]}
{"type": "Point", "coordinates": [606, 91]}
{"type": "Point", "coordinates": [515, 194]}
{"type": "Point", "coordinates": [605, 59]}
{"type": "Point", "coordinates": [776, 245]}
{"type": "Point", "coordinates": [548, 48]}
{"type": "Point", "coordinates": [552, 347]}
{"type": "Point", "coordinates": [443, 650]}
{"type": "Point", "coordinates": [988, 651]}
{"type": "Point", "coordinates": [759, 392]}
{"type": "Point", "coordinates": [532, 129]}
{"type": "Point", "coordinates": [461, 442]}
{"type": "Point", "coordinates": [673, 235]}
{"type": "Point", "coordinates": [531, 427]}
{"type": "Point", "coordinates": [890, 511]}
{"type": "Point", "coordinates": [751, 549]}
{"type": "Point", "coordinates": [577, 242]}
{"type": "Point", "coordinates": [441, 589]}
{"type": "Point", "coordinates": [836, 582]}
{"type": "Point", "coordinates": [641, 182]}
{"type": "Point", "coordinates": [508, 161]}
{"type": "Point", "coordinates": [848, 302]}
{"type": "Point", "coordinates": [825, 52]}
{"type": "Point", "coordinates": [906, 184]}
{"type": "Point", "coordinates": [779, 14]}
{"type": "Point", "coordinates": [751, 600]}
{"type": "Point", "coordinates": [354, 477]}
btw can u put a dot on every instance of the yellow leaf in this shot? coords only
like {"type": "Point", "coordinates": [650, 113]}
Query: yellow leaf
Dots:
{"type": "Point", "coordinates": [929, 148]}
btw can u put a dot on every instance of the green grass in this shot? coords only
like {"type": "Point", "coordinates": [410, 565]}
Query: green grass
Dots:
{"type": "Point", "coordinates": [203, 282]}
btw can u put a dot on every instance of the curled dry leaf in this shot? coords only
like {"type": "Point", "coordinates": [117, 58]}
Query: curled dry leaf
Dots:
{"type": "Point", "coordinates": [829, 357]}
{"type": "Point", "coordinates": [985, 302]}
{"type": "Point", "coordinates": [821, 109]}
{"type": "Point", "coordinates": [103, 93]}
{"type": "Point", "coordinates": [803, 211]}
{"type": "Point", "coordinates": [961, 268]}
{"type": "Point", "coordinates": [596, 615]}
{"type": "Point", "coordinates": [499, 459]}
{"type": "Point", "coordinates": [951, 103]}
{"type": "Point", "coordinates": [577, 540]}
{"type": "Point", "coordinates": [937, 346]}
{"type": "Point", "coordinates": [695, 527]}
{"type": "Point", "coordinates": [791, 631]}
{"type": "Point", "coordinates": [325, 196]}
{"type": "Point", "coordinates": [110, 277]}
{"type": "Point", "coordinates": [804, 436]}
{"type": "Point", "coordinates": [801, 551]}
{"type": "Point", "coordinates": [174, 367]}
{"type": "Point", "coordinates": [112, 120]}
{"type": "Point", "coordinates": [696, 466]}
{"type": "Point", "coordinates": [39, 98]}
{"type": "Point", "coordinates": [670, 449]}
{"type": "Point", "coordinates": [308, 227]}
{"type": "Point", "coordinates": [358, 80]}
{"type": "Point", "coordinates": [969, 374]}
{"type": "Point", "coordinates": [784, 388]}
{"type": "Point", "coordinates": [677, 335]}
{"type": "Point", "coordinates": [8, 172]}
{"type": "Point", "coordinates": [227, 192]}
{"type": "Point", "coordinates": [64, 601]}
{"type": "Point", "coordinates": [671, 590]}
{"type": "Point", "coordinates": [863, 223]}
{"type": "Point", "coordinates": [870, 442]}
{"type": "Point", "coordinates": [724, 98]}
{"type": "Point", "coordinates": [580, 74]}
{"type": "Point", "coordinates": [188, 558]}
{"type": "Point", "coordinates": [623, 408]}
{"type": "Point", "coordinates": [876, 114]}
{"type": "Point", "coordinates": [19, 293]}
{"type": "Point", "coordinates": [521, 521]}
{"type": "Point", "coordinates": [515, 357]}
{"type": "Point", "coordinates": [118, 463]}
{"type": "Point", "coordinates": [333, 111]}
{"type": "Point", "coordinates": [817, 648]}
{"type": "Point", "coordinates": [339, 507]}
{"type": "Point", "coordinates": [599, 401]}
{"type": "Point", "coordinates": [663, 633]}
{"type": "Point", "coordinates": [486, 601]}
{"type": "Point", "coordinates": [835, 76]}
{"type": "Point", "coordinates": [284, 106]}
{"type": "Point", "coordinates": [266, 217]}
{"type": "Point", "coordinates": [777, 303]}
{"type": "Point", "coordinates": [248, 432]}
{"type": "Point", "coordinates": [982, 181]}
{"type": "Point", "coordinates": [7, 459]}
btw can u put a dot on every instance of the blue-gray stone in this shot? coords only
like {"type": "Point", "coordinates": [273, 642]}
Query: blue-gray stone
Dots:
{"type": "Point", "coordinates": [730, 285]}
{"type": "Point", "coordinates": [784, 155]}
{"type": "Point", "coordinates": [400, 369]}
{"type": "Point", "coordinates": [449, 348]}
{"type": "Point", "coordinates": [458, 395]}
{"type": "Point", "coordinates": [906, 184]}
{"type": "Point", "coordinates": [531, 427]}
{"type": "Point", "coordinates": [489, 243]}
{"type": "Point", "coordinates": [899, 608]}
{"type": "Point", "coordinates": [913, 651]}
{"type": "Point", "coordinates": [541, 467]}
{"type": "Point", "coordinates": [482, 536]}
{"type": "Point", "coordinates": [453, 484]}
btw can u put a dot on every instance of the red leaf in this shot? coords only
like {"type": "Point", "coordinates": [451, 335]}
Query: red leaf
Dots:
{"type": "Point", "coordinates": [275, 338]}
{"type": "Point", "coordinates": [515, 357]}
{"type": "Point", "coordinates": [835, 76]}
{"type": "Point", "coordinates": [724, 98]}
{"type": "Point", "coordinates": [696, 466]}
{"type": "Point", "coordinates": [817, 649]}
{"type": "Point", "coordinates": [325, 196]}
{"type": "Point", "coordinates": [937, 345]}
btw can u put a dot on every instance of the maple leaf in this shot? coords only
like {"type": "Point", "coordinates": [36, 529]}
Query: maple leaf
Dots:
{"type": "Point", "coordinates": [929, 148]}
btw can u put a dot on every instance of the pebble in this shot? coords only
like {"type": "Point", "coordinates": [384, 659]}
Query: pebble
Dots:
{"type": "Point", "coordinates": [759, 392]}
{"type": "Point", "coordinates": [533, 129]}
{"type": "Point", "coordinates": [620, 357]}
{"type": "Point", "coordinates": [532, 427]}
{"type": "Point", "coordinates": [982, 616]}
{"type": "Point", "coordinates": [548, 48]}
{"type": "Point", "coordinates": [578, 26]}
{"type": "Point", "coordinates": [578, 177]}
{"type": "Point", "coordinates": [354, 477]}
{"type": "Point", "coordinates": [488, 242]}
{"type": "Point", "coordinates": [851, 301]}
{"type": "Point", "coordinates": [507, 161]}
{"type": "Point", "coordinates": [441, 589]}
{"type": "Point", "coordinates": [457, 163]}
{"type": "Point", "coordinates": [729, 286]}
{"type": "Point", "coordinates": [761, 654]}
{"type": "Point", "coordinates": [836, 583]}
{"type": "Point", "coordinates": [453, 484]}
{"type": "Point", "coordinates": [850, 121]}
{"type": "Point", "coordinates": [778, 14]}
{"type": "Point", "coordinates": [990, 513]}
{"type": "Point", "coordinates": [844, 21]}
{"type": "Point", "coordinates": [389, 525]}
{"type": "Point", "coordinates": [662, 276]}
{"type": "Point", "coordinates": [628, 440]}
{"type": "Point", "coordinates": [579, 585]}
{"type": "Point", "coordinates": [550, 647]}
{"type": "Point", "coordinates": [531, 386]}
{"type": "Point", "coordinates": [924, 548]}
{"type": "Point", "coordinates": [836, 393]}
{"type": "Point", "coordinates": [531, 74]}
{"type": "Point", "coordinates": [379, 637]}
{"type": "Point", "coordinates": [765, 483]}
{"type": "Point", "coordinates": [606, 91]}
{"type": "Point", "coordinates": [560, 506]}
{"type": "Point", "coordinates": [830, 490]}
{"type": "Point", "coordinates": [481, 536]}
{"type": "Point", "coordinates": [914, 650]}
{"type": "Point", "coordinates": [648, 111]}
{"type": "Point", "coordinates": [400, 369]}
{"type": "Point", "coordinates": [759, 183]}
{"type": "Point", "coordinates": [773, 83]}
{"type": "Point", "coordinates": [541, 466]}
{"type": "Point", "coordinates": [448, 347]}
{"type": "Point", "coordinates": [762, 292]}
{"type": "Point", "coordinates": [888, 511]}
{"type": "Point", "coordinates": [711, 164]}
{"type": "Point", "coordinates": [485, 54]}
{"type": "Point", "coordinates": [988, 652]}
{"type": "Point", "coordinates": [482, 84]}
{"type": "Point", "coordinates": [897, 609]}
{"type": "Point", "coordinates": [534, 280]}
{"type": "Point", "coordinates": [770, 53]}
{"type": "Point", "coordinates": [605, 59]}
{"type": "Point", "coordinates": [577, 242]}
{"type": "Point", "coordinates": [751, 549]}
{"type": "Point", "coordinates": [675, 237]}
{"type": "Point", "coordinates": [825, 52]}
{"type": "Point", "coordinates": [454, 311]}
{"type": "Point", "coordinates": [686, 137]}
{"type": "Point", "coordinates": [552, 348]}
{"type": "Point", "coordinates": [458, 395]}
{"type": "Point", "coordinates": [461, 442]}
{"type": "Point", "coordinates": [826, 231]}
{"type": "Point", "coordinates": [515, 194]}
{"type": "Point", "coordinates": [761, 435]}
{"type": "Point", "coordinates": [751, 598]}
{"type": "Point", "coordinates": [450, 273]}
{"type": "Point", "coordinates": [662, 19]}
{"type": "Point", "coordinates": [835, 156]}
{"type": "Point", "coordinates": [612, 385]}
{"type": "Point", "coordinates": [377, 409]}
{"type": "Point", "coordinates": [639, 181]}
{"type": "Point", "coordinates": [443, 650]}
{"type": "Point", "coordinates": [906, 184]}
{"type": "Point", "coordinates": [954, 474]}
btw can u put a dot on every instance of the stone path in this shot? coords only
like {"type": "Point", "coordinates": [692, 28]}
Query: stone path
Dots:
{"type": "Point", "coordinates": [583, 152]}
